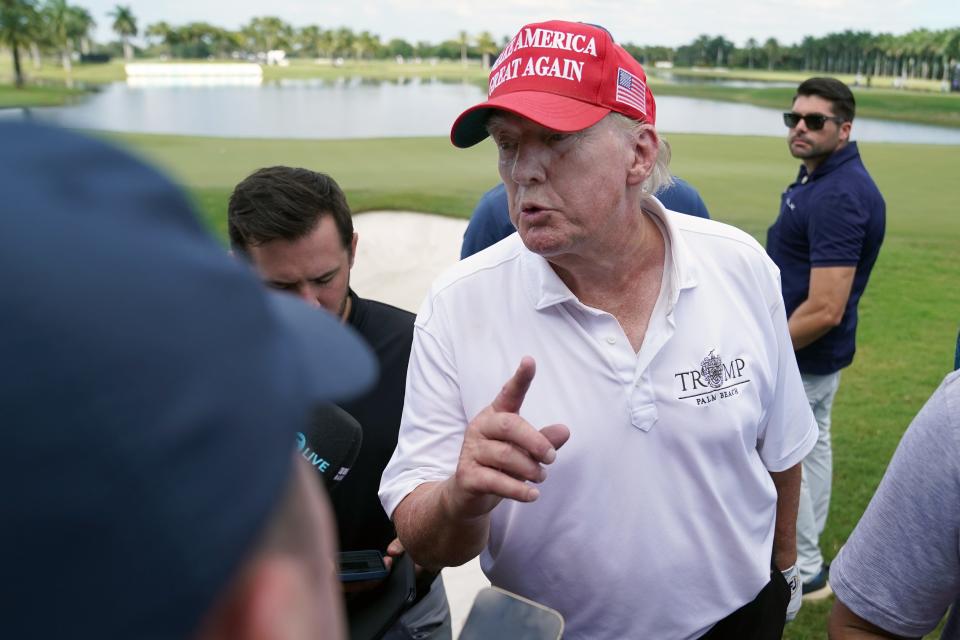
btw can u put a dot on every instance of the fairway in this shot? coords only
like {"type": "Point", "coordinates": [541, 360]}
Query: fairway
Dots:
{"type": "Point", "coordinates": [909, 314]}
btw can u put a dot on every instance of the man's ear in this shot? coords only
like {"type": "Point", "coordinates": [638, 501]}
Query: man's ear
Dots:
{"type": "Point", "coordinates": [845, 128]}
{"type": "Point", "coordinates": [644, 151]}
{"type": "Point", "coordinates": [270, 601]}
{"type": "Point", "coordinates": [353, 248]}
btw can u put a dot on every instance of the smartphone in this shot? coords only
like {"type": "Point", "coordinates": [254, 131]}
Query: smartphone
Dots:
{"type": "Point", "coordinates": [498, 613]}
{"type": "Point", "coordinates": [362, 565]}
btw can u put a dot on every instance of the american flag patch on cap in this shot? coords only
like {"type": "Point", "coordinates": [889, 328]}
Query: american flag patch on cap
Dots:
{"type": "Point", "coordinates": [631, 90]}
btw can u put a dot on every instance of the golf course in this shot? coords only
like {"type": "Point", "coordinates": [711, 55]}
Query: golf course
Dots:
{"type": "Point", "coordinates": [366, 93]}
{"type": "Point", "coordinates": [909, 314]}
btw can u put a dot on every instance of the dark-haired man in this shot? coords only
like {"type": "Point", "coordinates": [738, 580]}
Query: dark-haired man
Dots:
{"type": "Point", "coordinates": [295, 227]}
{"type": "Point", "coordinates": [825, 241]}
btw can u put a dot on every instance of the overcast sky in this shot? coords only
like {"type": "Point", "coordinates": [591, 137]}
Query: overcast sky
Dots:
{"type": "Point", "coordinates": [643, 22]}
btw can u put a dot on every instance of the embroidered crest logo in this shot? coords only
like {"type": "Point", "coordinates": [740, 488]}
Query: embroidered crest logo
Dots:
{"type": "Point", "coordinates": [714, 380]}
{"type": "Point", "coordinates": [711, 368]}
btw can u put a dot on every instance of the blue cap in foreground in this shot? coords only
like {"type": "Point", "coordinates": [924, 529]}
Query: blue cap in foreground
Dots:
{"type": "Point", "coordinates": [150, 390]}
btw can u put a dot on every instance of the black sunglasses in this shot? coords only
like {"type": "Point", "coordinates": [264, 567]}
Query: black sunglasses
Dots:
{"type": "Point", "coordinates": [815, 121]}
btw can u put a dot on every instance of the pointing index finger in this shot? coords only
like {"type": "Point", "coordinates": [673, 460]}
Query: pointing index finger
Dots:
{"type": "Point", "coordinates": [514, 390]}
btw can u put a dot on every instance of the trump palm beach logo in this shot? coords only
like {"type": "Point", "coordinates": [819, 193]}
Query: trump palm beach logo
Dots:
{"type": "Point", "coordinates": [714, 380]}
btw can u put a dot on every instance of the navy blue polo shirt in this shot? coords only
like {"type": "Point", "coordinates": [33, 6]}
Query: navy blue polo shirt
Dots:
{"type": "Point", "coordinates": [833, 217]}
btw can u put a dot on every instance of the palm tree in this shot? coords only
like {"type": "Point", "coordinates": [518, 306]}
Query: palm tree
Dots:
{"type": "Point", "coordinates": [772, 48]}
{"type": "Point", "coordinates": [80, 23]}
{"type": "Point", "coordinates": [487, 47]}
{"type": "Point", "coordinates": [268, 33]}
{"type": "Point", "coordinates": [341, 42]}
{"type": "Point", "coordinates": [57, 22]}
{"type": "Point", "coordinates": [325, 43]}
{"type": "Point", "coordinates": [885, 45]}
{"type": "Point", "coordinates": [307, 41]}
{"type": "Point", "coordinates": [719, 49]}
{"type": "Point", "coordinates": [808, 46]}
{"type": "Point", "coordinates": [700, 46]}
{"type": "Point", "coordinates": [125, 24]}
{"type": "Point", "coordinates": [752, 45]}
{"type": "Point", "coordinates": [948, 47]}
{"type": "Point", "coordinates": [18, 19]}
{"type": "Point", "coordinates": [365, 42]}
{"type": "Point", "coordinates": [464, 43]}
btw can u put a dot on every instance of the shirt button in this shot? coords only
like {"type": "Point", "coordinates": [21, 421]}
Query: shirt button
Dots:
{"type": "Point", "coordinates": [611, 340]}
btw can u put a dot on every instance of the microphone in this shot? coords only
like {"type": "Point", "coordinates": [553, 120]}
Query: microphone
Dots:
{"type": "Point", "coordinates": [331, 443]}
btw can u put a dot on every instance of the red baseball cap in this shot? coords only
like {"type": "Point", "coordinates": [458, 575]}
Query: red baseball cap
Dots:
{"type": "Point", "coordinates": [565, 76]}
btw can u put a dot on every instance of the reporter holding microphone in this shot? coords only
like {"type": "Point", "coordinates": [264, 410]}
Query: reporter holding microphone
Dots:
{"type": "Point", "coordinates": [294, 226]}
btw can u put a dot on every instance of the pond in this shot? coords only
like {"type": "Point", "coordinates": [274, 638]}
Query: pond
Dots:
{"type": "Point", "coordinates": [359, 108]}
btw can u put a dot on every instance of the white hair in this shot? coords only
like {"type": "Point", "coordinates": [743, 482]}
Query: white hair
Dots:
{"type": "Point", "coordinates": [659, 177]}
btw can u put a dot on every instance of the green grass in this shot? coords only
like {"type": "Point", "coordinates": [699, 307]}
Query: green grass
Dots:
{"type": "Point", "coordinates": [37, 96]}
{"type": "Point", "coordinates": [52, 71]}
{"type": "Point", "coordinates": [421, 174]}
{"type": "Point", "coordinates": [909, 314]}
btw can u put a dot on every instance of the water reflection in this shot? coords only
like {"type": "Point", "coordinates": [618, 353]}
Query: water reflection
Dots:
{"type": "Point", "coordinates": [355, 107]}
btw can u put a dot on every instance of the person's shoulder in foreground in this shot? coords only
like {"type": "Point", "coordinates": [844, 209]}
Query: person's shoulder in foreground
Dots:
{"type": "Point", "coordinates": [899, 571]}
{"type": "Point", "coordinates": [151, 394]}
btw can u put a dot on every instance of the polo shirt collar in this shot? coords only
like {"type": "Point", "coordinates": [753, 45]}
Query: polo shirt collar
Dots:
{"type": "Point", "coordinates": [834, 160]}
{"type": "Point", "coordinates": [545, 288]}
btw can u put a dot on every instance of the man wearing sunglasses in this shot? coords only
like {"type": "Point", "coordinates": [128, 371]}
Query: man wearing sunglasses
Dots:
{"type": "Point", "coordinates": [825, 241]}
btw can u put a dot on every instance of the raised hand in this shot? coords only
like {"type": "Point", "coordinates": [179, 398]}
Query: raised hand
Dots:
{"type": "Point", "coordinates": [502, 452]}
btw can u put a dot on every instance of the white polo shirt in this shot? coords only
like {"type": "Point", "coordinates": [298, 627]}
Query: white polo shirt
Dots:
{"type": "Point", "coordinates": [657, 518]}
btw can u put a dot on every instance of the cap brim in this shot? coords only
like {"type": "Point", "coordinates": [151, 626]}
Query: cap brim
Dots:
{"type": "Point", "coordinates": [338, 364]}
{"type": "Point", "coordinates": [560, 113]}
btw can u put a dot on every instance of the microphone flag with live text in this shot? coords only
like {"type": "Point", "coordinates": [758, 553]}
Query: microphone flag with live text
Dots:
{"type": "Point", "coordinates": [331, 443]}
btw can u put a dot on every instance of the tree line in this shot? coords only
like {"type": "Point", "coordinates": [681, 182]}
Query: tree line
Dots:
{"type": "Point", "coordinates": [28, 27]}
{"type": "Point", "coordinates": [55, 27]}
{"type": "Point", "coordinates": [920, 53]}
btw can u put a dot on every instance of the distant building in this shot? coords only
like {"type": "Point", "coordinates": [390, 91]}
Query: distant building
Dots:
{"type": "Point", "coordinates": [277, 57]}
